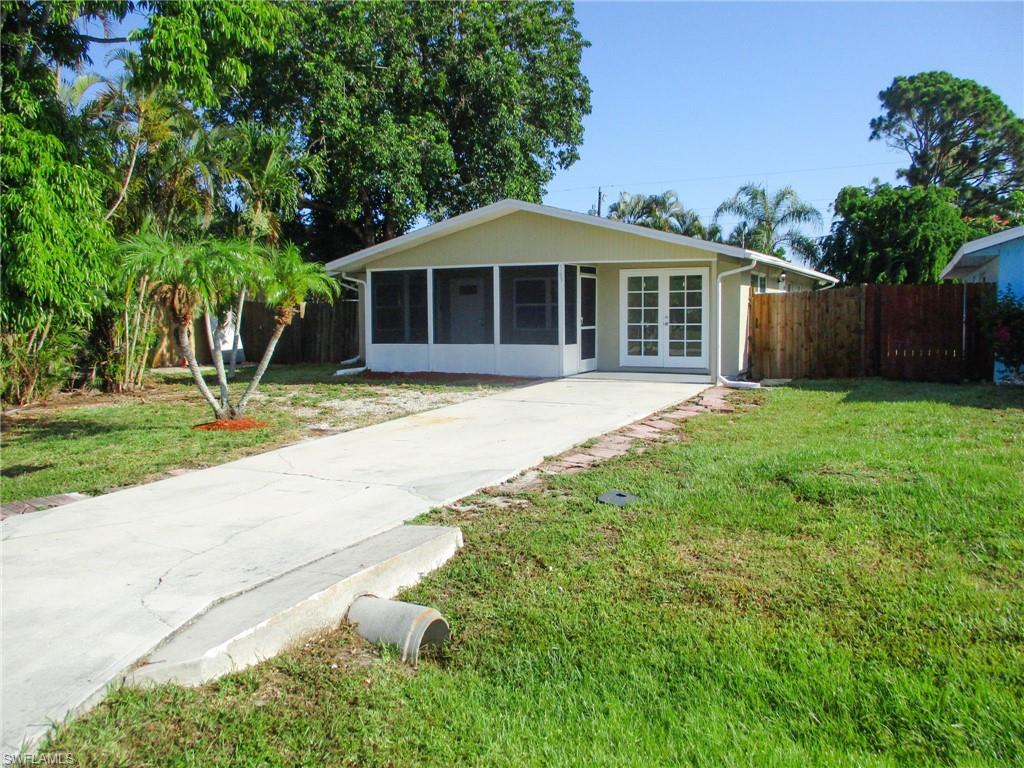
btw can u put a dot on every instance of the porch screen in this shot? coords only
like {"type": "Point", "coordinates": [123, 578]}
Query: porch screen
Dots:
{"type": "Point", "coordinates": [464, 306]}
{"type": "Point", "coordinates": [399, 306]}
{"type": "Point", "coordinates": [529, 305]}
{"type": "Point", "coordinates": [571, 312]}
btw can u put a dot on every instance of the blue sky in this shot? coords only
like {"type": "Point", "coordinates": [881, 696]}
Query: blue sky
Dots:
{"type": "Point", "coordinates": [685, 94]}
{"type": "Point", "coordinates": [703, 97]}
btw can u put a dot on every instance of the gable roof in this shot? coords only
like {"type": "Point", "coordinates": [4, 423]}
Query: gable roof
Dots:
{"type": "Point", "coordinates": [494, 211]}
{"type": "Point", "coordinates": [975, 253]}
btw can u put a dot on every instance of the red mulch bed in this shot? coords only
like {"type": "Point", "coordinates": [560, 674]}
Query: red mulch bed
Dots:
{"type": "Point", "coordinates": [231, 425]}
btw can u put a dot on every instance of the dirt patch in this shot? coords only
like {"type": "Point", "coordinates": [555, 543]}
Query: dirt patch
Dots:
{"type": "Point", "coordinates": [431, 377]}
{"type": "Point", "coordinates": [231, 425]}
{"type": "Point", "coordinates": [354, 412]}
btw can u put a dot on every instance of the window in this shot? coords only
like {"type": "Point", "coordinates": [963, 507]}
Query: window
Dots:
{"type": "Point", "coordinates": [399, 301]}
{"type": "Point", "coordinates": [529, 305]}
{"type": "Point", "coordinates": [571, 313]}
{"type": "Point", "coordinates": [464, 306]}
{"type": "Point", "coordinates": [759, 283]}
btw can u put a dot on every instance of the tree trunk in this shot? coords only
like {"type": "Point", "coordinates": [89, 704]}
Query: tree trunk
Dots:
{"type": "Point", "coordinates": [127, 177]}
{"type": "Point", "coordinates": [239, 409]}
{"type": "Point", "coordinates": [237, 335]}
{"type": "Point", "coordinates": [218, 359]}
{"type": "Point", "coordinates": [197, 376]}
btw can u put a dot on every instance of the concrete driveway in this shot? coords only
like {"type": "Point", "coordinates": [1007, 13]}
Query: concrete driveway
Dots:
{"type": "Point", "coordinates": [91, 587]}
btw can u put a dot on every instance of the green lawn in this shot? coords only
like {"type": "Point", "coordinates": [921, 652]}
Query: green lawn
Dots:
{"type": "Point", "coordinates": [92, 444]}
{"type": "Point", "coordinates": [834, 578]}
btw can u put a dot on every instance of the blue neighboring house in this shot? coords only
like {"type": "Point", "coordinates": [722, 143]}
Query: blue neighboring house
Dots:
{"type": "Point", "coordinates": [999, 259]}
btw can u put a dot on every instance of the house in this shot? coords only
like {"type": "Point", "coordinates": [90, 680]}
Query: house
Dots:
{"type": "Point", "coordinates": [998, 259]}
{"type": "Point", "coordinates": [521, 289]}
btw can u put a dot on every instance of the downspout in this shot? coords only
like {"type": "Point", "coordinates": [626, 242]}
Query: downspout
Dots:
{"type": "Point", "coordinates": [722, 381]}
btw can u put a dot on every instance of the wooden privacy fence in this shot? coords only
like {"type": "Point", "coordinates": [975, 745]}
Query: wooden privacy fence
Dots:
{"type": "Point", "coordinates": [328, 333]}
{"type": "Point", "coordinates": [911, 332]}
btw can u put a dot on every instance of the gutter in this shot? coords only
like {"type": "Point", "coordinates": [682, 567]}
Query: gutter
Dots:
{"type": "Point", "coordinates": [722, 381]}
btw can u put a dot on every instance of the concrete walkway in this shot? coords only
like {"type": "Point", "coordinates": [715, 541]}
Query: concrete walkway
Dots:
{"type": "Point", "coordinates": [89, 588]}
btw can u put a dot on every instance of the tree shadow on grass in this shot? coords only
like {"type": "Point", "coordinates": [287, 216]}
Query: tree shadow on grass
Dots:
{"type": "Point", "coordinates": [875, 390]}
{"type": "Point", "coordinates": [17, 470]}
{"type": "Point", "coordinates": [77, 426]}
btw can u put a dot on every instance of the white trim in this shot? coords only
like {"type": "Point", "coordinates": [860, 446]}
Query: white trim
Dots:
{"type": "Point", "coordinates": [663, 360]}
{"type": "Point", "coordinates": [560, 311]}
{"type": "Point", "coordinates": [973, 246]}
{"type": "Point", "coordinates": [430, 318]}
{"type": "Point", "coordinates": [590, 363]}
{"type": "Point", "coordinates": [506, 207]}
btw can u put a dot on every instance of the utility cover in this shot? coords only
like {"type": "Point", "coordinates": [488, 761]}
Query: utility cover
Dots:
{"type": "Point", "coordinates": [617, 498]}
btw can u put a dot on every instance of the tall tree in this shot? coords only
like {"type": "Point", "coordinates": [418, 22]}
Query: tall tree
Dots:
{"type": "Point", "coordinates": [957, 134]}
{"type": "Point", "coordinates": [888, 234]}
{"type": "Point", "coordinates": [422, 109]}
{"type": "Point", "coordinates": [770, 223]}
{"type": "Point", "coordinates": [57, 247]}
{"type": "Point", "coordinates": [268, 172]}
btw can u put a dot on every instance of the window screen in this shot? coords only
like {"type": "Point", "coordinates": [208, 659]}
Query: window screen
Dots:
{"type": "Point", "coordinates": [758, 282]}
{"type": "Point", "coordinates": [529, 305]}
{"type": "Point", "coordinates": [399, 307]}
{"type": "Point", "coordinates": [464, 306]}
{"type": "Point", "coordinates": [571, 312]}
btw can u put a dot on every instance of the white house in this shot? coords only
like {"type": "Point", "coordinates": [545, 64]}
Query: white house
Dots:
{"type": "Point", "coordinates": [516, 288]}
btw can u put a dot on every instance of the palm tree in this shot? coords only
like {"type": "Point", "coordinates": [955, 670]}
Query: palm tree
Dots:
{"type": "Point", "coordinates": [630, 209]}
{"type": "Point", "coordinates": [187, 276]}
{"type": "Point", "coordinates": [769, 223]}
{"type": "Point", "coordinates": [271, 174]}
{"type": "Point", "coordinates": [663, 212]}
{"type": "Point", "coordinates": [139, 119]}
{"type": "Point", "coordinates": [292, 281]}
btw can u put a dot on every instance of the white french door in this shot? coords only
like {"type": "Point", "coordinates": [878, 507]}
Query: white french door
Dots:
{"type": "Point", "coordinates": [664, 318]}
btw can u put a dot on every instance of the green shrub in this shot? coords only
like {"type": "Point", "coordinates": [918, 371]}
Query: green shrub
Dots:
{"type": "Point", "coordinates": [34, 364]}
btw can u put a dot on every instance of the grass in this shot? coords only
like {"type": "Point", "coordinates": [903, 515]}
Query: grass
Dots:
{"type": "Point", "coordinates": [833, 578]}
{"type": "Point", "coordinates": [95, 443]}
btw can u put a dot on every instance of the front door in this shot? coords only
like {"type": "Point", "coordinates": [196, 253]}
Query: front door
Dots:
{"type": "Point", "coordinates": [467, 311]}
{"type": "Point", "coordinates": [588, 321]}
{"type": "Point", "coordinates": [664, 318]}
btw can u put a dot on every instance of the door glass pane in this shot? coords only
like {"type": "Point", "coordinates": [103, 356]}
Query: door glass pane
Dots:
{"type": "Point", "coordinates": [643, 315]}
{"type": "Point", "coordinates": [588, 301]}
{"type": "Point", "coordinates": [686, 315]}
{"type": "Point", "coordinates": [588, 345]}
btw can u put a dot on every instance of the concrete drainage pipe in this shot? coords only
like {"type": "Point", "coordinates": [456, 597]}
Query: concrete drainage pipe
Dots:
{"type": "Point", "coordinates": [405, 625]}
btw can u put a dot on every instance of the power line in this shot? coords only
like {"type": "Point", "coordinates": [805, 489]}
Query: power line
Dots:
{"type": "Point", "coordinates": [727, 176]}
